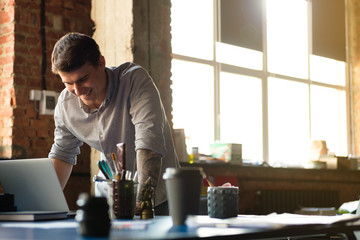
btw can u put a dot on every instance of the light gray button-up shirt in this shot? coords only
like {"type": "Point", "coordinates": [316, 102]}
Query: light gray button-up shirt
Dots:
{"type": "Point", "coordinates": [132, 113]}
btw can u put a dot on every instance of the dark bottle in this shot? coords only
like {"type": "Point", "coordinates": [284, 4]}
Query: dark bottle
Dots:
{"type": "Point", "coordinates": [93, 216]}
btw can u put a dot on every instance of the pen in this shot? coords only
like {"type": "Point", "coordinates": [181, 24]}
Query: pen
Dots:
{"type": "Point", "coordinates": [97, 178]}
{"type": "Point", "coordinates": [127, 175]}
{"type": "Point", "coordinates": [110, 166]}
{"type": "Point", "coordinates": [103, 170]}
{"type": "Point", "coordinates": [135, 179]}
{"type": "Point", "coordinates": [106, 168]}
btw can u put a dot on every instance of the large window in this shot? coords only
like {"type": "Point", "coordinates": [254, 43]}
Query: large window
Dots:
{"type": "Point", "coordinates": [268, 74]}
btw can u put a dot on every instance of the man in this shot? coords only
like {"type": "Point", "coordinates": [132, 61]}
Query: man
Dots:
{"type": "Point", "coordinates": [104, 106]}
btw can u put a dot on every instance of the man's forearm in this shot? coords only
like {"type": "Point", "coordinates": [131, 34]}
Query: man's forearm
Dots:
{"type": "Point", "coordinates": [63, 171]}
{"type": "Point", "coordinates": [148, 165]}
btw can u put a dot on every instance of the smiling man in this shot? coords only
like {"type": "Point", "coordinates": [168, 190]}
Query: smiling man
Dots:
{"type": "Point", "coordinates": [103, 106]}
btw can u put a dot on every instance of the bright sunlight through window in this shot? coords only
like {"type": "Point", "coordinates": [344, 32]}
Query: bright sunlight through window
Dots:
{"type": "Point", "coordinates": [274, 100]}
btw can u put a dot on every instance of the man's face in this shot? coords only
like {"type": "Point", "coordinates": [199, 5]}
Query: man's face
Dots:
{"type": "Point", "coordinates": [88, 83]}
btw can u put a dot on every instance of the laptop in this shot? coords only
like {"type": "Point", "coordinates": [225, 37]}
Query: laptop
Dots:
{"type": "Point", "coordinates": [34, 184]}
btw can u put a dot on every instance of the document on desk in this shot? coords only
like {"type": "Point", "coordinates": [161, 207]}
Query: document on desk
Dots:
{"type": "Point", "coordinates": [32, 215]}
{"type": "Point", "coordinates": [41, 225]}
{"type": "Point", "coordinates": [271, 221]}
{"type": "Point", "coordinates": [131, 224]}
{"type": "Point", "coordinates": [135, 225]}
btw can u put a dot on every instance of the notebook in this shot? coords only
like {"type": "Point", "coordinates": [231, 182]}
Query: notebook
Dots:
{"type": "Point", "coordinates": [35, 187]}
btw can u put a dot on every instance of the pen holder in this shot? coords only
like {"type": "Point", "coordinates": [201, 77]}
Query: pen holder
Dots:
{"type": "Point", "coordinates": [223, 202]}
{"type": "Point", "coordinates": [122, 199]}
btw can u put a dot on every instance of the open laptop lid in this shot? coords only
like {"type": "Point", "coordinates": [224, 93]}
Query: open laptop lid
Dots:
{"type": "Point", "coordinates": [34, 184]}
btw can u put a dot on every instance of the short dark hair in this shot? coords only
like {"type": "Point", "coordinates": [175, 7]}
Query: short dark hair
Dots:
{"type": "Point", "coordinates": [72, 51]}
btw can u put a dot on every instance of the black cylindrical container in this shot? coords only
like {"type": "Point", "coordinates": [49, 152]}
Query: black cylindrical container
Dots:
{"type": "Point", "coordinates": [93, 216]}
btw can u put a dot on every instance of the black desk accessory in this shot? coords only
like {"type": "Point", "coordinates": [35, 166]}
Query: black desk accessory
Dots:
{"type": "Point", "coordinates": [7, 203]}
{"type": "Point", "coordinates": [93, 216]}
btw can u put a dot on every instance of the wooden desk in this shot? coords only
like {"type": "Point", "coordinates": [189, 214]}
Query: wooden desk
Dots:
{"type": "Point", "coordinates": [266, 189]}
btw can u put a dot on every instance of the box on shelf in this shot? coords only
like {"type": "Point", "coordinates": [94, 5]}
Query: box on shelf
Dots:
{"type": "Point", "coordinates": [227, 151]}
{"type": "Point", "coordinates": [339, 162]}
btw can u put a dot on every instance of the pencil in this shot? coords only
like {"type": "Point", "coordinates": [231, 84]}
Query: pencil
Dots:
{"type": "Point", "coordinates": [116, 164]}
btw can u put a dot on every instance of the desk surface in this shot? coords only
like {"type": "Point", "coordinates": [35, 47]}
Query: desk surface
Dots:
{"type": "Point", "coordinates": [161, 228]}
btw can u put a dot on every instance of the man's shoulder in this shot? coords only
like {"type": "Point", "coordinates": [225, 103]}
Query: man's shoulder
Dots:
{"type": "Point", "coordinates": [66, 96]}
{"type": "Point", "coordinates": [126, 68]}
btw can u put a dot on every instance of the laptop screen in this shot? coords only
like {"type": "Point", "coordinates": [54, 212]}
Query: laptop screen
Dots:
{"type": "Point", "coordinates": [34, 184]}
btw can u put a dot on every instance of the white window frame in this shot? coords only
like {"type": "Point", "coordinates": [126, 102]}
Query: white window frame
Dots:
{"type": "Point", "coordinates": [264, 75]}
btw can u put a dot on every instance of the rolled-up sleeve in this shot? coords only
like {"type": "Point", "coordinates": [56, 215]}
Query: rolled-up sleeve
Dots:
{"type": "Point", "coordinates": [147, 113]}
{"type": "Point", "coordinates": [66, 146]}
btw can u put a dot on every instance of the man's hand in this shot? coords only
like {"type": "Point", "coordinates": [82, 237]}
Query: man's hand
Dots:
{"type": "Point", "coordinates": [63, 171]}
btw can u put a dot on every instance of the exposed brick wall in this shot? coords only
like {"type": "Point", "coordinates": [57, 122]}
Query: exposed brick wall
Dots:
{"type": "Point", "coordinates": [31, 131]}
{"type": "Point", "coordinates": [23, 132]}
{"type": "Point", "coordinates": [7, 93]}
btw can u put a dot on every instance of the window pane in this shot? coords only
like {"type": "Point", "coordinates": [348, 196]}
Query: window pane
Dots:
{"type": "Point", "coordinates": [287, 37]}
{"type": "Point", "coordinates": [241, 113]}
{"type": "Point", "coordinates": [191, 28]}
{"type": "Point", "coordinates": [238, 56]}
{"type": "Point", "coordinates": [294, 117]}
{"type": "Point", "coordinates": [327, 70]}
{"type": "Point", "coordinates": [288, 122]}
{"type": "Point", "coordinates": [328, 118]}
{"type": "Point", "coordinates": [193, 103]}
